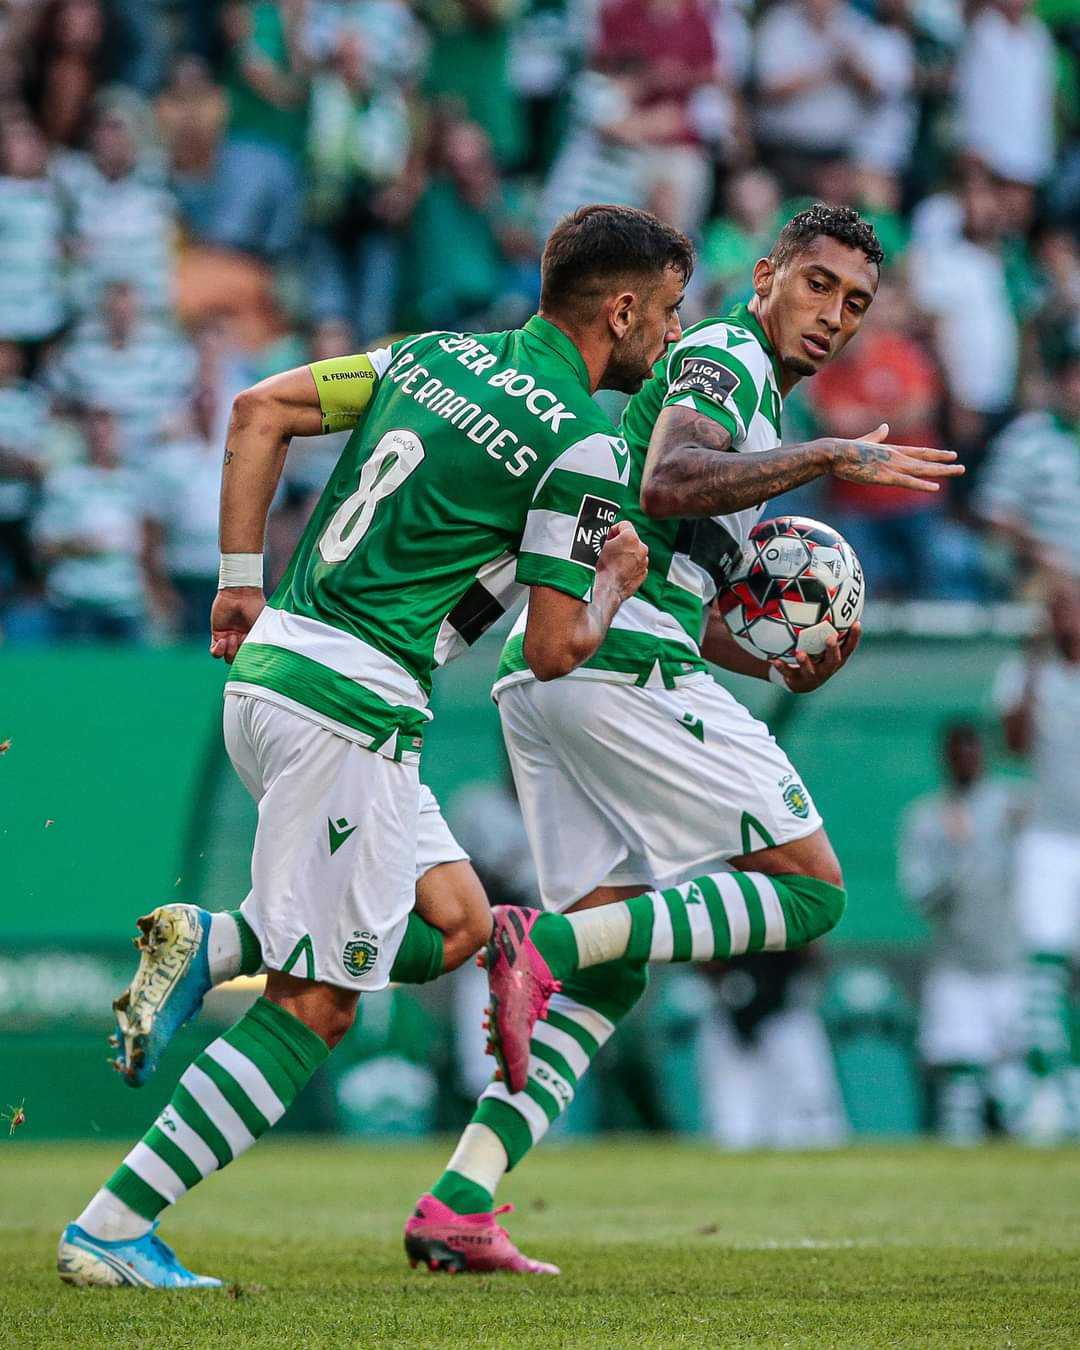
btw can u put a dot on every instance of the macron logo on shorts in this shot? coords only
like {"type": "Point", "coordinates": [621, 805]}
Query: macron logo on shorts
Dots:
{"type": "Point", "coordinates": [339, 831]}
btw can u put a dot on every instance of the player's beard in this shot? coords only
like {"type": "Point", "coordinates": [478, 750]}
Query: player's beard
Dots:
{"type": "Point", "coordinates": [629, 366]}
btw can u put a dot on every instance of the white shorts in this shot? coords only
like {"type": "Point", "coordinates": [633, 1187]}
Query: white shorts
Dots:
{"type": "Point", "coordinates": [435, 844]}
{"type": "Point", "coordinates": [1048, 891]}
{"type": "Point", "coordinates": [970, 1018]}
{"type": "Point", "coordinates": [333, 868]}
{"type": "Point", "coordinates": [622, 786]}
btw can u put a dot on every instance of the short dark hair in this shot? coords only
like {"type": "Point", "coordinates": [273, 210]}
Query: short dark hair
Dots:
{"type": "Point", "coordinates": [597, 244]}
{"type": "Point", "coordinates": [842, 223]}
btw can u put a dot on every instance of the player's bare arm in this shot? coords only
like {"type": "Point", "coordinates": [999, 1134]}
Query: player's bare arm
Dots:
{"type": "Point", "coordinates": [686, 476]}
{"type": "Point", "coordinates": [264, 420]}
{"type": "Point", "coordinates": [810, 673]}
{"type": "Point", "coordinates": [563, 632]}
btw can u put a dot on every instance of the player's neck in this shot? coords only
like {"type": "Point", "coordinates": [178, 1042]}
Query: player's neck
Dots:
{"type": "Point", "coordinates": [593, 351]}
{"type": "Point", "coordinates": [788, 378]}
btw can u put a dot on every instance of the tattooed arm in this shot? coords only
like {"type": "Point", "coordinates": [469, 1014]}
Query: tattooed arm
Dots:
{"type": "Point", "coordinates": [685, 476]}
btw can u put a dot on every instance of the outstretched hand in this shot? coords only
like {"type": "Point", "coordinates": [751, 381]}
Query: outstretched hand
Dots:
{"type": "Point", "coordinates": [234, 611]}
{"type": "Point", "coordinates": [811, 673]}
{"type": "Point", "coordinates": [870, 460]}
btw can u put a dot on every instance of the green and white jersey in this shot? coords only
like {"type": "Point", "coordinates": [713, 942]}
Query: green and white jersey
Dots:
{"type": "Point", "coordinates": [479, 465]}
{"type": "Point", "coordinates": [726, 370]}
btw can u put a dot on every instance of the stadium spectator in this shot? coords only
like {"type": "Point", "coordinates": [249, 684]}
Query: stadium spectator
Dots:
{"type": "Point", "coordinates": [470, 68]}
{"type": "Point", "coordinates": [65, 61]}
{"type": "Point", "coordinates": [1039, 700]}
{"type": "Point", "coordinates": [24, 414]}
{"type": "Point", "coordinates": [395, 43]}
{"type": "Point", "coordinates": [904, 540]}
{"type": "Point", "coordinates": [958, 277]}
{"type": "Point", "coordinates": [180, 495]}
{"type": "Point", "coordinates": [813, 66]}
{"type": "Point", "coordinates": [90, 530]}
{"type": "Point", "coordinates": [735, 241]}
{"type": "Point", "coordinates": [139, 369]}
{"type": "Point", "coordinates": [32, 299]}
{"type": "Point", "coordinates": [359, 145]}
{"type": "Point", "coordinates": [491, 272]}
{"type": "Point", "coordinates": [123, 220]}
{"type": "Point", "coordinates": [1008, 123]}
{"type": "Point", "coordinates": [259, 185]}
{"type": "Point", "coordinates": [958, 866]}
{"type": "Point", "coordinates": [671, 44]}
{"type": "Point", "coordinates": [1029, 491]}
{"type": "Point", "coordinates": [191, 115]}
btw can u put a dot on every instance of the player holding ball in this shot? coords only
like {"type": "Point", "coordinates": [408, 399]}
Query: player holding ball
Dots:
{"type": "Point", "coordinates": [665, 821]}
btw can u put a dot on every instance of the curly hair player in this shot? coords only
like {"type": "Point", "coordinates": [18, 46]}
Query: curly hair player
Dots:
{"type": "Point", "coordinates": [666, 823]}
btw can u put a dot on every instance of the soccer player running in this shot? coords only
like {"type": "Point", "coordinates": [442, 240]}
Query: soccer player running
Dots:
{"type": "Point", "coordinates": [478, 464]}
{"type": "Point", "coordinates": [665, 821]}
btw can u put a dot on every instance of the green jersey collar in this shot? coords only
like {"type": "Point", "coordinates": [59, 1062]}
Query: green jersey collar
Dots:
{"type": "Point", "coordinates": [744, 316]}
{"type": "Point", "coordinates": [561, 345]}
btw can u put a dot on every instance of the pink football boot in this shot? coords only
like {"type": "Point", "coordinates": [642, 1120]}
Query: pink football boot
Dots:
{"type": "Point", "coordinates": [443, 1240]}
{"type": "Point", "coordinates": [521, 984]}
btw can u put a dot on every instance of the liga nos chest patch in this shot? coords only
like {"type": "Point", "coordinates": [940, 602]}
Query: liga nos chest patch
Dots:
{"type": "Point", "coordinates": [595, 519]}
{"type": "Point", "coordinates": [700, 375]}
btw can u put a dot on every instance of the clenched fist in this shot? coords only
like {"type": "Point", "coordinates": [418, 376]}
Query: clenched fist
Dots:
{"type": "Point", "coordinates": [624, 559]}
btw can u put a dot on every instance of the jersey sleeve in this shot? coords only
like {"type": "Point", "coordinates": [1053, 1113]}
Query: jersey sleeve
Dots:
{"type": "Point", "coordinates": [716, 383]}
{"type": "Point", "coordinates": [578, 499]}
{"type": "Point", "coordinates": [346, 385]}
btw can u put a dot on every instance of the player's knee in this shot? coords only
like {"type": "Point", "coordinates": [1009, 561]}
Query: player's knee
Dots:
{"type": "Point", "coordinates": [325, 1009]}
{"type": "Point", "coordinates": [471, 928]}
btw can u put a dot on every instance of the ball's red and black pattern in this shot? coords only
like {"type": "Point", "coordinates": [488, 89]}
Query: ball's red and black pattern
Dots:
{"type": "Point", "coordinates": [798, 583]}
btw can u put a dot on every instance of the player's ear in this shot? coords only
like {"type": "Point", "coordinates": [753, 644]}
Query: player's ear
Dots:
{"type": "Point", "coordinates": [764, 272]}
{"type": "Point", "coordinates": [620, 314]}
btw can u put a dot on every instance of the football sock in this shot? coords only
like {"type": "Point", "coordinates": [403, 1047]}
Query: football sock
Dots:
{"type": "Point", "coordinates": [240, 1086]}
{"type": "Point", "coordinates": [233, 948]}
{"type": "Point", "coordinates": [1046, 1012]}
{"type": "Point", "coordinates": [707, 919]}
{"type": "Point", "coordinates": [505, 1125]}
{"type": "Point", "coordinates": [420, 956]}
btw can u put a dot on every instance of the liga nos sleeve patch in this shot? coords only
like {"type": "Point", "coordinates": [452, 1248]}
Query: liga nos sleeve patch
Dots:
{"type": "Point", "coordinates": [595, 519]}
{"type": "Point", "coordinates": [700, 375]}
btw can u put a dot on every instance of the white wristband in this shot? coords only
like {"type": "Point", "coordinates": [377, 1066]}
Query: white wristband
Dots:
{"type": "Point", "coordinates": [240, 569]}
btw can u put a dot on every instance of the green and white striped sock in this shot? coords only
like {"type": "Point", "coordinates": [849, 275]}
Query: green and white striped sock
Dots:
{"type": "Point", "coordinates": [708, 919]}
{"type": "Point", "coordinates": [237, 1089]}
{"type": "Point", "coordinates": [507, 1124]}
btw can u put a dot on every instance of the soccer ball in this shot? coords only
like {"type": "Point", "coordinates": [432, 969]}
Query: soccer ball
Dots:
{"type": "Point", "coordinates": [798, 583]}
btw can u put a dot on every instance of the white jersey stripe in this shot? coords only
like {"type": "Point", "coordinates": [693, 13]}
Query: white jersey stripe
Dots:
{"type": "Point", "coordinates": [209, 1096]}
{"type": "Point", "coordinates": [548, 532]}
{"type": "Point", "coordinates": [342, 652]}
{"type": "Point", "coordinates": [249, 1077]}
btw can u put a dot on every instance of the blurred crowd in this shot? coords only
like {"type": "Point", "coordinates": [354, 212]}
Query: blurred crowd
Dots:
{"type": "Point", "coordinates": [197, 193]}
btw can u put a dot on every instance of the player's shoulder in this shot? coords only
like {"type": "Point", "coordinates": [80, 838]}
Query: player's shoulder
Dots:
{"type": "Point", "coordinates": [726, 343]}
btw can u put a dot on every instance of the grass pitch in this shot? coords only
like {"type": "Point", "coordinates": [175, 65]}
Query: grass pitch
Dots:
{"type": "Point", "coordinates": [661, 1244]}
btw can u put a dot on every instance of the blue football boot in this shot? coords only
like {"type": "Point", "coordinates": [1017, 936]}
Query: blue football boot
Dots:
{"type": "Point", "coordinates": [167, 991]}
{"type": "Point", "coordinates": [145, 1263]}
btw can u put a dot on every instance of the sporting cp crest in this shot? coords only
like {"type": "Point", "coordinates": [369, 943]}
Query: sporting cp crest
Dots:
{"type": "Point", "coordinates": [796, 800]}
{"type": "Point", "coordinates": [359, 955]}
